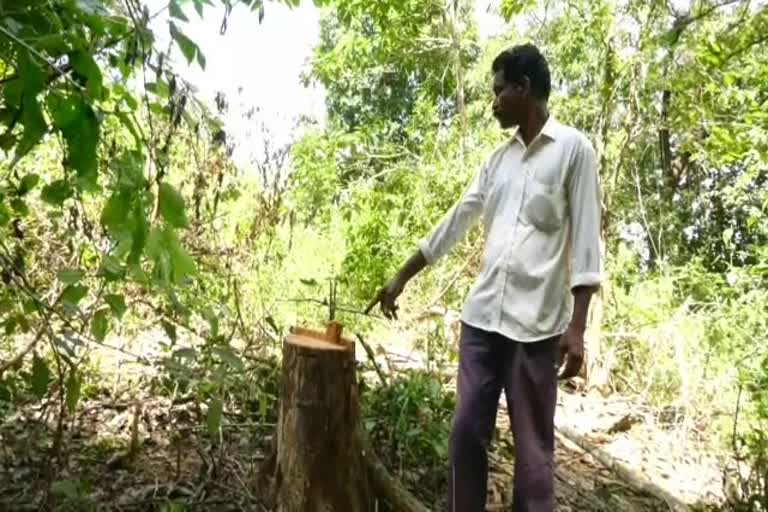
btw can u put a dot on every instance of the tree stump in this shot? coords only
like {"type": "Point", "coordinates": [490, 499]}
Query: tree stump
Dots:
{"type": "Point", "coordinates": [319, 465]}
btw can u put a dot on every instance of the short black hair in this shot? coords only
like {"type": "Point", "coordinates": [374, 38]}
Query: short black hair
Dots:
{"type": "Point", "coordinates": [525, 60]}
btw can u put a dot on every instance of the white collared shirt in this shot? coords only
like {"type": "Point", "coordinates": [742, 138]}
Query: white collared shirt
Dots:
{"type": "Point", "coordinates": [540, 207]}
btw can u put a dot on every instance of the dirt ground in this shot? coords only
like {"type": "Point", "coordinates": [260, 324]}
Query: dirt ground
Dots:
{"type": "Point", "coordinates": [175, 462]}
{"type": "Point", "coordinates": [133, 453]}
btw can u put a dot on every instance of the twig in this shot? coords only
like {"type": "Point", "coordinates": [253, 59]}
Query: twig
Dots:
{"type": "Point", "coordinates": [42, 57]}
{"type": "Point", "coordinates": [372, 357]}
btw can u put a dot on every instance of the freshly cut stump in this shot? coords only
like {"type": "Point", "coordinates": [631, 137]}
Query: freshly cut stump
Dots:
{"type": "Point", "coordinates": [319, 464]}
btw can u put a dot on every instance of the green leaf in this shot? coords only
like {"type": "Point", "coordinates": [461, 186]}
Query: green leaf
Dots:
{"type": "Point", "coordinates": [213, 419]}
{"type": "Point", "coordinates": [73, 294]}
{"type": "Point", "coordinates": [20, 207]}
{"type": "Point", "coordinates": [34, 125]}
{"type": "Point", "coordinates": [84, 64]}
{"type": "Point", "coordinates": [176, 11]}
{"type": "Point", "coordinates": [185, 353]}
{"type": "Point", "coordinates": [70, 275]}
{"type": "Point", "coordinates": [5, 215]}
{"type": "Point", "coordinates": [170, 330]}
{"type": "Point", "coordinates": [228, 356]}
{"type": "Point", "coordinates": [100, 324]}
{"type": "Point", "coordinates": [31, 73]}
{"type": "Point", "coordinates": [117, 304]}
{"type": "Point", "coordinates": [199, 8]}
{"type": "Point", "coordinates": [41, 376]}
{"type": "Point", "coordinates": [140, 233]}
{"type": "Point", "coordinates": [57, 192]}
{"type": "Point", "coordinates": [28, 183]}
{"type": "Point", "coordinates": [186, 45]}
{"type": "Point", "coordinates": [115, 211]}
{"type": "Point", "coordinates": [182, 264]}
{"type": "Point", "coordinates": [73, 386]}
{"type": "Point", "coordinates": [201, 59]}
{"type": "Point", "coordinates": [171, 206]}
{"type": "Point", "coordinates": [80, 127]}
{"type": "Point", "coordinates": [213, 321]}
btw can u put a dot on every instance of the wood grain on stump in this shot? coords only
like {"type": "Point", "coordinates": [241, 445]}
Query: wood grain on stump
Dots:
{"type": "Point", "coordinates": [319, 466]}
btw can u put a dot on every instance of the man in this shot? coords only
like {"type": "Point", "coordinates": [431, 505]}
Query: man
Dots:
{"type": "Point", "coordinates": [539, 198]}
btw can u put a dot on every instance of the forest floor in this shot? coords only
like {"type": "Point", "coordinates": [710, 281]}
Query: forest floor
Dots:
{"type": "Point", "coordinates": [128, 450]}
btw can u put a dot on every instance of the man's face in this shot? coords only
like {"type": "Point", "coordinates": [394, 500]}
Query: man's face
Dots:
{"type": "Point", "coordinates": [509, 102]}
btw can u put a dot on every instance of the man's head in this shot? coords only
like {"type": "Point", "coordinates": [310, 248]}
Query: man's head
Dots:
{"type": "Point", "coordinates": [521, 80]}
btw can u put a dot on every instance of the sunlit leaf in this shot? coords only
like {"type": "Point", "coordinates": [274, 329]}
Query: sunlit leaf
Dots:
{"type": "Point", "coordinates": [28, 183]}
{"type": "Point", "coordinates": [57, 192]}
{"type": "Point", "coordinates": [100, 324]}
{"type": "Point", "coordinates": [116, 303]}
{"type": "Point", "coordinates": [186, 45]}
{"type": "Point", "coordinates": [228, 356]}
{"type": "Point", "coordinates": [73, 294]}
{"type": "Point", "coordinates": [175, 10]}
{"type": "Point", "coordinates": [171, 206]}
{"type": "Point", "coordinates": [70, 275]}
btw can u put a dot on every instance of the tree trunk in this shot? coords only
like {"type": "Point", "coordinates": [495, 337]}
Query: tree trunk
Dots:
{"type": "Point", "coordinates": [319, 465]}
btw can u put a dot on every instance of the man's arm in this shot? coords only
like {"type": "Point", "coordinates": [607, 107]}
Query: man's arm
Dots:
{"type": "Point", "coordinates": [585, 209]}
{"type": "Point", "coordinates": [448, 232]}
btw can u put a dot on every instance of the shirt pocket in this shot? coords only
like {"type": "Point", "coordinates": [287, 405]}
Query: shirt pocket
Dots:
{"type": "Point", "coordinates": [544, 206]}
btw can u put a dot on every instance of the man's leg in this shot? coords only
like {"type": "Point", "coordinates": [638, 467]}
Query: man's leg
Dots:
{"type": "Point", "coordinates": [478, 388]}
{"type": "Point", "coordinates": [530, 384]}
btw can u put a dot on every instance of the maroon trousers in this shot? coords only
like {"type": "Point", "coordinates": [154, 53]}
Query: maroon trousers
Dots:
{"type": "Point", "coordinates": [488, 363]}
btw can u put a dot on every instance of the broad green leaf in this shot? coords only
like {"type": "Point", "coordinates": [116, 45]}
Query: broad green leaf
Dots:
{"type": "Point", "coordinates": [28, 183]}
{"type": "Point", "coordinates": [32, 75]}
{"type": "Point", "coordinates": [84, 64]}
{"type": "Point", "coordinates": [73, 387]}
{"type": "Point", "coordinates": [70, 275]}
{"type": "Point", "coordinates": [213, 418]}
{"type": "Point", "coordinates": [80, 127]}
{"type": "Point", "coordinates": [140, 233]}
{"type": "Point", "coordinates": [116, 303]}
{"type": "Point", "coordinates": [116, 211]}
{"type": "Point", "coordinates": [201, 59]}
{"type": "Point", "coordinates": [100, 324]}
{"type": "Point", "coordinates": [176, 11]}
{"type": "Point", "coordinates": [186, 45]}
{"type": "Point", "coordinates": [171, 206]}
{"type": "Point", "coordinates": [182, 264]}
{"type": "Point", "coordinates": [57, 192]}
{"type": "Point", "coordinates": [73, 294]}
{"type": "Point", "coordinates": [20, 207]}
{"type": "Point", "coordinates": [228, 356]}
{"type": "Point", "coordinates": [41, 376]}
{"type": "Point", "coordinates": [34, 126]}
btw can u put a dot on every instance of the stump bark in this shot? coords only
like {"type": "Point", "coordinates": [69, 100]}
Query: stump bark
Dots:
{"type": "Point", "coordinates": [319, 465]}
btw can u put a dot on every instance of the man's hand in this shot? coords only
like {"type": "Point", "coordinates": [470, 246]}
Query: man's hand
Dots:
{"type": "Point", "coordinates": [387, 296]}
{"type": "Point", "coordinates": [571, 351]}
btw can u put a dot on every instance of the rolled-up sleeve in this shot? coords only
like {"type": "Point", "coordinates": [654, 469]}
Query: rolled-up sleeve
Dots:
{"type": "Point", "coordinates": [585, 210]}
{"type": "Point", "coordinates": [455, 224]}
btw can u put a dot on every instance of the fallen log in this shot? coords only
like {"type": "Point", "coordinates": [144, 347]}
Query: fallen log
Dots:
{"type": "Point", "coordinates": [622, 469]}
